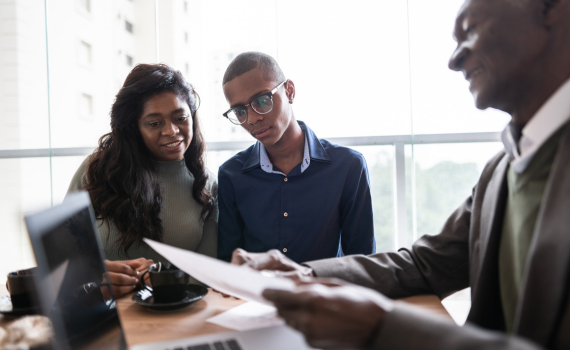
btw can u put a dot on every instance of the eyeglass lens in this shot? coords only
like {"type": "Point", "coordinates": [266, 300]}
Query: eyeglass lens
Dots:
{"type": "Point", "coordinates": [261, 105]}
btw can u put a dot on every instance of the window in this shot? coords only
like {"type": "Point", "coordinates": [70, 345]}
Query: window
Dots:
{"type": "Point", "coordinates": [129, 26]}
{"type": "Point", "coordinates": [85, 106]}
{"type": "Point", "coordinates": [85, 5]}
{"type": "Point", "coordinates": [84, 53]}
{"type": "Point", "coordinates": [380, 73]}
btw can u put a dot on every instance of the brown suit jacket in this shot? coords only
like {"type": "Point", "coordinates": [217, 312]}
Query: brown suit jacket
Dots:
{"type": "Point", "coordinates": [465, 254]}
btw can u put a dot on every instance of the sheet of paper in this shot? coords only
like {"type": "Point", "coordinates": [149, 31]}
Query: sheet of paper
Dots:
{"type": "Point", "coordinates": [250, 315]}
{"type": "Point", "coordinates": [240, 281]}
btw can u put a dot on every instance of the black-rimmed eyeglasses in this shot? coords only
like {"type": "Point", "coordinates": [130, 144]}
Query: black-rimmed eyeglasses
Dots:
{"type": "Point", "coordinates": [262, 104]}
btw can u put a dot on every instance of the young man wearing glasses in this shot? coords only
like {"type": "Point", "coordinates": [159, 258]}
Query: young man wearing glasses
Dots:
{"type": "Point", "coordinates": [290, 191]}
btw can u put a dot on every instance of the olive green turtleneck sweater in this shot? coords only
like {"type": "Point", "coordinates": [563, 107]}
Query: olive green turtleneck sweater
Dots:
{"type": "Point", "coordinates": [180, 215]}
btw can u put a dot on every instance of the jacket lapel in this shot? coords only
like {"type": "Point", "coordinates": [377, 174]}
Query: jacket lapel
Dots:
{"type": "Point", "coordinates": [486, 307]}
{"type": "Point", "coordinates": [545, 284]}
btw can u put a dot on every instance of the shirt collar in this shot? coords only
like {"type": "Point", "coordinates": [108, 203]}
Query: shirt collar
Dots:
{"type": "Point", "coordinates": [316, 149]}
{"type": "Point", "coordinates": [267, 166]}
{"type": "Point", "coordinates": [549, 118]}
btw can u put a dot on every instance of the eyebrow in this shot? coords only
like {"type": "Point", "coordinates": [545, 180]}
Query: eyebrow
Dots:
{"type": "Point", "coordinates": [457, 28]}
{"type": "Point", "coordinates": [251, 98]}
{"type": "Point", "coordinates": [176, 111]}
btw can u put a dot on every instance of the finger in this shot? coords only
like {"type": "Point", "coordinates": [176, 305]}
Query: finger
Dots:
{"type": "Point", "coordinates": [134, 264]}
{"type": "Point", "coordinates": [285, 299]}
{"type": "Point", "coordinates": [295, 276]}
{"type": "Point", "coordinates": [272, 260]}
{"type": "Point", "coordinates": [145, 264]}
{"type": "Point", "coordinates": [121, 279]}
{"type": "Point", "coordinates": [123, 268]}
{"type": "Point", "coordinates": [239, 257]}
{"type": "Point", "coordinates": [329, 282]}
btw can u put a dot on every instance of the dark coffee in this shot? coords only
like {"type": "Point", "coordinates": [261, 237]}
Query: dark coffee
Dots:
{"type": "Point", "coordinates": [169, 284]}
{"type": "Point", "coordinates": [21, 286]}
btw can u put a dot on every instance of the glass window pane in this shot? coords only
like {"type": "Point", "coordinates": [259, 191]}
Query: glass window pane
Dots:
{"type": "Point", "coordinates": [89, 64]}
{"type": "Point", "coordinates": [380, 161]}
{"type": "Point", "coordinates": [349, 63]}
{"type": "Point", "coordinates": [63, 169]}
{"type": "Point", "coordinates": [218, 31]}
{"type": "Point", "coordinates": [25, 187]}
{"type": "Point", "coordinates": [23, 75]}
{"type": "Point", "coordinates": [445, 175]}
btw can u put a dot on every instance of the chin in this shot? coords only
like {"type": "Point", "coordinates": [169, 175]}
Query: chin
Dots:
{"type": "Point", "coordinates": [482, 100]}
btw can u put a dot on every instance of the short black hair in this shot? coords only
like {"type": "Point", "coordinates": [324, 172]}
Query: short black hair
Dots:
{"type": "Point", "coordinates": [244, 62]}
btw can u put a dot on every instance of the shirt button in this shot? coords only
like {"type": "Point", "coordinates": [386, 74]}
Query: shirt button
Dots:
{"type": "Point", "coordinates": [284, 250]}
{"type": "Point", "coordinates": [285, 214]}
{"type": "Point", "coordinates": [285, 179]}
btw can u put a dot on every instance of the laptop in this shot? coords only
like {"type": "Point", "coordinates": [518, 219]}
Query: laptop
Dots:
{"type": "Point", "coordinates": [80, 303]}
{"type": "Point", "coordinates": [71, 288]}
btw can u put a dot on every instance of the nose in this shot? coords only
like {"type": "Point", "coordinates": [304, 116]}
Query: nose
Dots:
{"type": "Point", "coordinates": [252, 116]}
{"type": "Point", "coordinates": [169, 129]}
{"type": "Point", "coordinates": [458, 58]}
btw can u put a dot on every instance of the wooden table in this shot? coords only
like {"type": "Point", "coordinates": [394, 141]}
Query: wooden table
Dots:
{"type": "Point", "coordinates": [142, 326]}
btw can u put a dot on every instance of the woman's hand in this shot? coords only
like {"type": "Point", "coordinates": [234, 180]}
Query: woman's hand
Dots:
{"type": "Point", "coordinates": [124, 275]}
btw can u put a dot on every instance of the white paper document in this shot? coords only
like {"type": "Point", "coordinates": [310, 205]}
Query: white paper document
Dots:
{"type": "Point", "coordinates": [240, 281]}
{"type": "Point", "coordinates": [250, 315]}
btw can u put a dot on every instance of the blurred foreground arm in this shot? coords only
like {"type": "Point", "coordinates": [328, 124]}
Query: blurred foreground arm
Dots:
{"type": "Point", "coordinates": [336, 315]}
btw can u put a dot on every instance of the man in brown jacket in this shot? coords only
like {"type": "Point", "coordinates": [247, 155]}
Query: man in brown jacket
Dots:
{"type": "Point", "coordinates": [509, 241]}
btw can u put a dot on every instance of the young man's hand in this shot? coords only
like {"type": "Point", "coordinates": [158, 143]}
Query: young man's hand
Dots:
{"type": "Point", "coordinates": [332, 314]}
{"type": "Point", "coordinates": [273, 261]}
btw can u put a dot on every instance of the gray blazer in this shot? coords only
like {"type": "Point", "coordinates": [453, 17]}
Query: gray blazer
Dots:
{"type": "Point", "coordinates": [465, 254]}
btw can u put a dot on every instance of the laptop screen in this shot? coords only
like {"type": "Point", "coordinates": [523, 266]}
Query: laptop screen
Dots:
{"type": "Point", "coordinates": [72, 283]}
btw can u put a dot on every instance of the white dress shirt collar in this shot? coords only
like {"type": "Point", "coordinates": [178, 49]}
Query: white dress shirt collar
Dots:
{"type": "Point", "coordinates": [549, 118]}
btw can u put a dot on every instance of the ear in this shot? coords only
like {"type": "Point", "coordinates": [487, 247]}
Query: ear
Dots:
{"type": "Point", "coordinates": [290, 90]}
{"type": "Point", "coordinates": [554, 11]}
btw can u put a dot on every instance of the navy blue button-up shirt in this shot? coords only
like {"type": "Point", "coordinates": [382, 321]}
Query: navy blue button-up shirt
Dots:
{"type": "Point", "coordinates": [322, 212]}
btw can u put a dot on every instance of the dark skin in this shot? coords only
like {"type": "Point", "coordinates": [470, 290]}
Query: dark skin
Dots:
{"type": "Point", "coordinates": [125, 275]}
{"type": "Point", "coordinates": [277, 130]}
{"type": "Point", "coordinates": [166, 128]}
{"type": "Point", "coordinates": [515, 56]}
{"type": "Point", "coordinates": [318, 310]}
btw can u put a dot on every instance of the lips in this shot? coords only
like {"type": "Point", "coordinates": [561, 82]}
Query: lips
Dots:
{"type": "Point", "coordinates": [173, 144]}
{"type": "Point", "coordinates": [473, 73]}
{"type": "Point", "coordinates": [261, 132]}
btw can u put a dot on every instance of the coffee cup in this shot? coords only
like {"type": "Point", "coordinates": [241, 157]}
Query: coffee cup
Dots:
{"type": "Point", "coordinates": [169, 283]}
{"type": "Point", "coordinates": [22, 289]}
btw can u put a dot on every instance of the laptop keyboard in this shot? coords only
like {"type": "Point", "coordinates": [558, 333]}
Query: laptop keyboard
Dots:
{"type": "Point", "coordinates": [219, 345]}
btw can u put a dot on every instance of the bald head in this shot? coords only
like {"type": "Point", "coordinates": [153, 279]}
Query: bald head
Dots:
{"type": "Point", "coordinates": [247, 61]}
